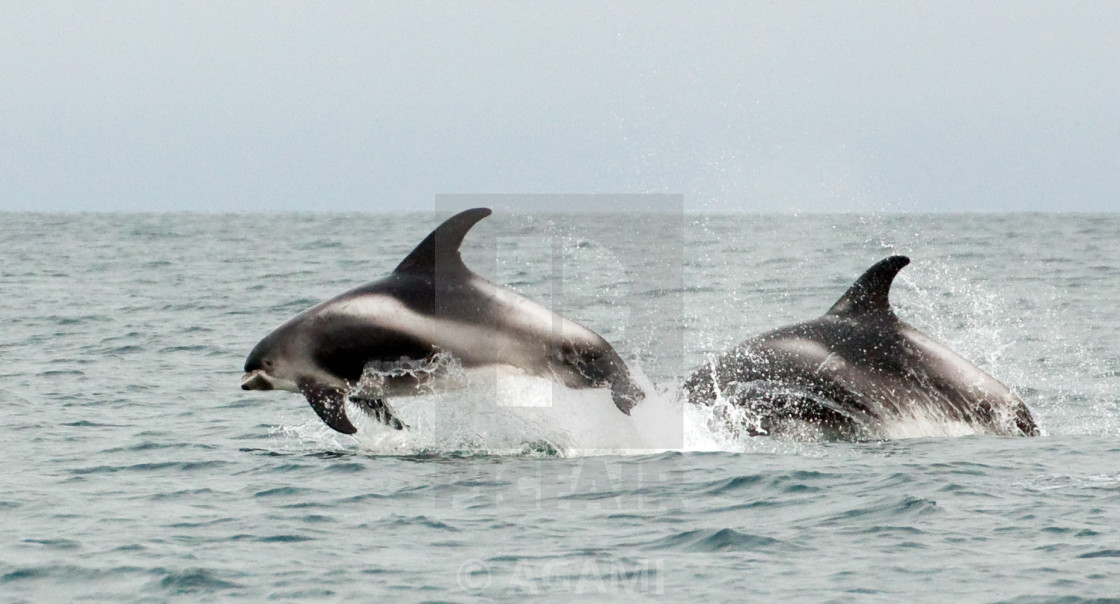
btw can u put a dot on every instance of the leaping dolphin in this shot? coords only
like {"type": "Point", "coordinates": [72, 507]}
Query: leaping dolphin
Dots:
{"type": "Point", "coordinates": [855, 367]}
{"type": "Point", "coordinates": [430, 304]}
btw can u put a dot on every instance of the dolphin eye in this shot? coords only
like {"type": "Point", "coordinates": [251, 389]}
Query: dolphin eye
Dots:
{"type": "Point", "coordinates": [268, 363]}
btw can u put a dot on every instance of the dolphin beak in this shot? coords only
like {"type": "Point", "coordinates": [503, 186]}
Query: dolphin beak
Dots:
{"type": "Point", "coordinates": [255, 380]}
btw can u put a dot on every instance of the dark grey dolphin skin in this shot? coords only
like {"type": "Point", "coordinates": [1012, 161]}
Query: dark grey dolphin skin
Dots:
{"type": "Point", "coordinates": [430, 304]}
{"type": "Point", "coordinates": [855, 367]}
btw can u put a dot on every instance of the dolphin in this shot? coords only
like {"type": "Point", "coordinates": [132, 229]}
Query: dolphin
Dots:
{"type": "Point", "coordinates": [855, 367]}
{"type": "Point", "coordinates": [430, 305]}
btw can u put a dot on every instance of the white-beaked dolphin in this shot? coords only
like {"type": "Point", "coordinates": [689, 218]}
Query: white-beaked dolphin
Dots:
{"type": "Point", "coordinates": [855, 367]}
{"type": "Point", "coordinates": [429, 305]}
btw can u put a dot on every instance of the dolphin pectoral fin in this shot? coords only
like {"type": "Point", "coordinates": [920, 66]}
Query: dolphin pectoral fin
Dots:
{"type": "Point", "coordinates": [379, 410]}
{"type": "Point", "coordinates": [329, 404]}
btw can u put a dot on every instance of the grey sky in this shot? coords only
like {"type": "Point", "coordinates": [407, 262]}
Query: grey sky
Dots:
{"type": "Point", "coordinates": [776, 106]}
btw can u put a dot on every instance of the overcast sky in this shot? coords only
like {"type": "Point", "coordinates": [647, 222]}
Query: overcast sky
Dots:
{"type": "Point", "coordinates": [739, 106]}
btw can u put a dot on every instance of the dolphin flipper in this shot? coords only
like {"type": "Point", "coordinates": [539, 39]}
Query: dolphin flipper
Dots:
{"type": "Point", "coordinates": [329, 404]}
{"type": "Point", "coordinates": [379, 410]}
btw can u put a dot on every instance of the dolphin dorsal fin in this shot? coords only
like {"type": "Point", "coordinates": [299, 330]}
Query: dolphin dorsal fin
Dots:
{"type": "Point", "coordinates": [870, 293]}
{"type": "Point", "coordinates": [440, 249]}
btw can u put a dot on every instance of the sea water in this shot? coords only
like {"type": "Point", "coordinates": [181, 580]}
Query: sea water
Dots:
{"type": "Point", "coordinates": [135, 469]}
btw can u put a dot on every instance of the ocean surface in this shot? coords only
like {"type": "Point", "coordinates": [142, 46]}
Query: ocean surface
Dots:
{"type": "Point", "coordinates": [136, 470]}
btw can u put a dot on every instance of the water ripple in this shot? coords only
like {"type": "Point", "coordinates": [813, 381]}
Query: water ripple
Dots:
{"type": "Point", "coordinates": [718, 540]}
{"type": "Point", "coordinates": [195, 582]}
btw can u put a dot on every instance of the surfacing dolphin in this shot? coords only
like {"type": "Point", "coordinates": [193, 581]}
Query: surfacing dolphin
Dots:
{"type": "Point", "coordinates": [854, 368]}
{"type": "Point", "coordinates": [431, 304]}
